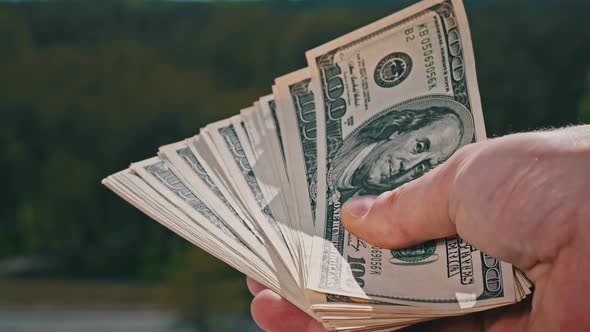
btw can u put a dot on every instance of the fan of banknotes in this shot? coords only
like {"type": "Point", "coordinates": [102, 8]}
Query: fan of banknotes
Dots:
{"type": "Point", "coordinates": [262, 190]}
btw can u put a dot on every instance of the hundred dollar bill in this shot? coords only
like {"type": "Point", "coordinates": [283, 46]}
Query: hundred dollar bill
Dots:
{"type": "Point", "coordinates": [195, 228]}
{"type": "Point", "coordinates": [297, 120]}
{"type": "Point", "coordinates": [251, 127]}
{"type": "Point", "coordinates": [395, 99]}
{"type": "Point", "coordinates": [265, 159]}
{"type": "Point", "coordinates": [224, 136]}
{"type": "Point", "coordinates": [261, 129]}
{"type": "Point", "coordinates": [158, 175]}
{"type": "Point", "coordinates": [187, 166]}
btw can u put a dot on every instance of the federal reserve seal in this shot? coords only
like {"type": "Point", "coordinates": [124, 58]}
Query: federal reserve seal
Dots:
{"type": "Point", "coordinates": [419, 255]}
{"type": "Point", "coordinates": [393, 69]}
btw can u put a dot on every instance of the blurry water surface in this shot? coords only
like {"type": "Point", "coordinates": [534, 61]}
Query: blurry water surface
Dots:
{"type": "Point", "coordinates": [50, 320]}
{"type": "Point", "coordinates": [116, 320]}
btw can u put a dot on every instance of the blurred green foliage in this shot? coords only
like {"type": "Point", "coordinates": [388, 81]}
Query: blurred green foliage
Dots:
{"type": "Point", "coordinates": [88, 87]}
{"type": "Point", "coordinates": [86, 93]}
{"type": "Point", "coordinates": [585, 104]}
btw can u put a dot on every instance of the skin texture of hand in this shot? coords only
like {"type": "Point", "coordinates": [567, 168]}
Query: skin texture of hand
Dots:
{"type": "Point", "coordinates": [523, 198]}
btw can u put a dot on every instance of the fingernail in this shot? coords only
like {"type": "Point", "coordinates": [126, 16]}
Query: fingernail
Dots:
{"type": "Point", "coordinates": [359, 206]}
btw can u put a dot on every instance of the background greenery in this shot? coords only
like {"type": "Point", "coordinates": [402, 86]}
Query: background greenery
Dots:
{"type": "Point", "coordinates": [87, 87]}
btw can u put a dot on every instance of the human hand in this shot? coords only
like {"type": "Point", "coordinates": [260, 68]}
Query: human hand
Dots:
{"type": "Point", "coordinates": [521, 198]}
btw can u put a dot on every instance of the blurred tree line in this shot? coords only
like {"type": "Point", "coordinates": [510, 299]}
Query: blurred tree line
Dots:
{"type": "Point", "coordinates": [88, 87]}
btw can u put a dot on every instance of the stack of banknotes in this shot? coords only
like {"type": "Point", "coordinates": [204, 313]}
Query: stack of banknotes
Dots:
{"type": "Point", "coordinates": [374, 109]}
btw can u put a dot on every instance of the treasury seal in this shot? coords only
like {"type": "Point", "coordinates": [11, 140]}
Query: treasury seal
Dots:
{"type": "Point", "coordinates": [419, 255]}
{"type": "Point", "coordinates": [393, 69]}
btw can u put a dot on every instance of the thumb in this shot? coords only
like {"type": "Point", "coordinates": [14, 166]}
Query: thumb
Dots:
{"type": "Point", "coordinates": [413, 213]}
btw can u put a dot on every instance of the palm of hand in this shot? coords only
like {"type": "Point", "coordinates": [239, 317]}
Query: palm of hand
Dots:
{"type": "Point", "coordinates": [521, 198]}
{"type": "Point", "coordinates": [531, 213]}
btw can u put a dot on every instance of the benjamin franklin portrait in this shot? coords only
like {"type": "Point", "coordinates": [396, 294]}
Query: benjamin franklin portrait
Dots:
{"type": "Point", "coordinates": [397, 147]}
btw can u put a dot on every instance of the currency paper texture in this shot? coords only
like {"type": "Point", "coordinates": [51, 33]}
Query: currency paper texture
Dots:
{"type": "Point", "coordinates": [263, 190]}
{"type": "Point", "coordinates": [399, 97]}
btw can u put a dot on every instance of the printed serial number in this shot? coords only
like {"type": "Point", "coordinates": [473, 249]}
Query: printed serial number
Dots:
{"type": "Point", "coordinates": [427, 52]}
